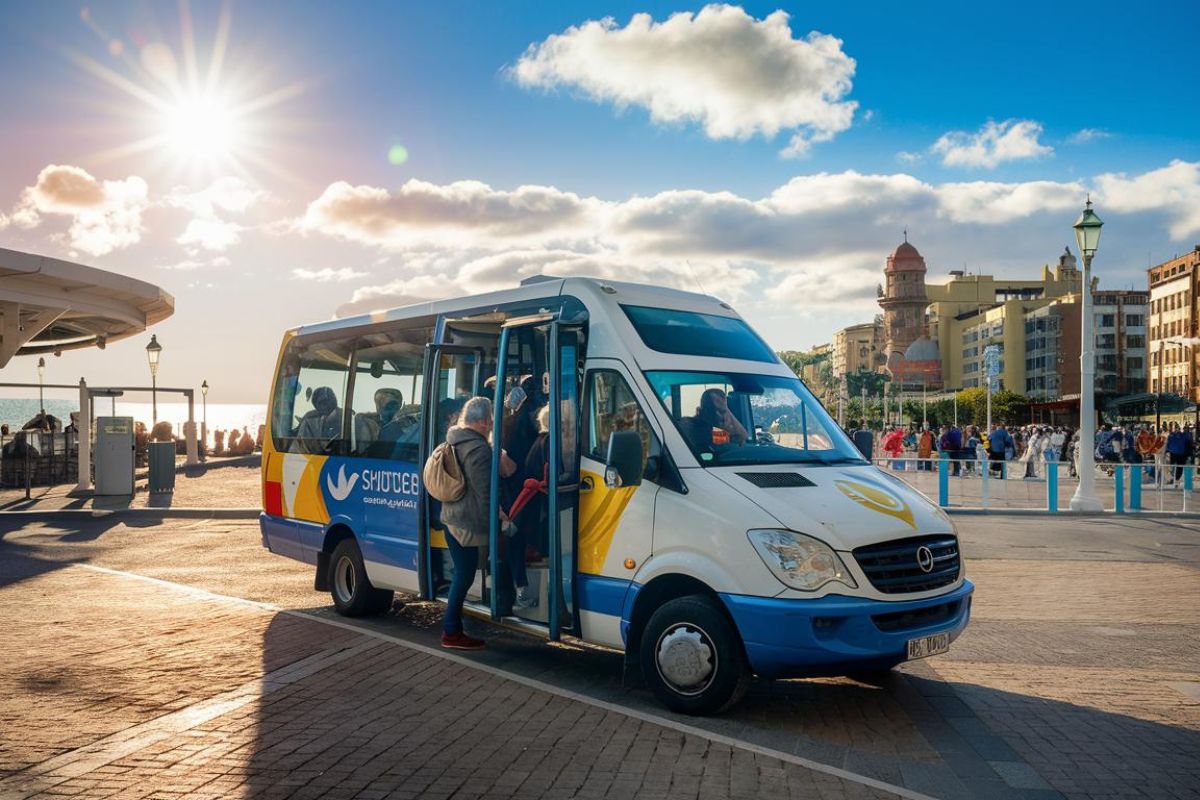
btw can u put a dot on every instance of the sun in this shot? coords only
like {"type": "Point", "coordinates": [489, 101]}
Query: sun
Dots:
{"type": "Point", "coordinates": [193, 114]}
{"type": "Point", "coordinates": [202, 127]}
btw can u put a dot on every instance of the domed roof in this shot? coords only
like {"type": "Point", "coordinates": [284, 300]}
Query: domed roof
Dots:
{"type": "Point", "coordinates": [923, 349]}
{"type": "Point", "coordinates": [905, 257]}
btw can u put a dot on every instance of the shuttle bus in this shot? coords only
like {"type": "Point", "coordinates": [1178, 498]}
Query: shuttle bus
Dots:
{"type": "Point", "coordinates": [699, 509]}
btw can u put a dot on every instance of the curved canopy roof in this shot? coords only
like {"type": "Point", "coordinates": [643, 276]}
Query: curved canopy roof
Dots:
{"type": "Point", "coordinates": [49, 305]}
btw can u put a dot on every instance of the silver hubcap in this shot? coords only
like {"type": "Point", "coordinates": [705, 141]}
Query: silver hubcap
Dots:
{"type": "Point", "coordinates": [686, 658]}
{"type": "Point", "coordinates": [343, 579]}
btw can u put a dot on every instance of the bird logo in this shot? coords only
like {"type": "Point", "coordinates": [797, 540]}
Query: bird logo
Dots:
{"type": "Point", "coordinates": [341, 490]}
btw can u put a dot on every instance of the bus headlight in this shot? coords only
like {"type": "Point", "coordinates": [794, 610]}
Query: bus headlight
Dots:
{"type": "Point", "coordinates": [799, 561]}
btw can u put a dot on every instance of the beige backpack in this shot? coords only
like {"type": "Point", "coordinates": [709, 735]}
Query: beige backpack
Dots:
{"type": "Point", "coordinates": [442, 475]}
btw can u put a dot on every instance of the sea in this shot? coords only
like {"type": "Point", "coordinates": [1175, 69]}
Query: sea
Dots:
{"type": "Point", "coordinates": [222, 416]}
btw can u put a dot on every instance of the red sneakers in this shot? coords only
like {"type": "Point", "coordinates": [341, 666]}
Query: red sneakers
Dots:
{"type": "Point", "coordinates": [460, 641]}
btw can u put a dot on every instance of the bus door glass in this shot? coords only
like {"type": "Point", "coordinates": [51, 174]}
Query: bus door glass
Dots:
{"type": "Point", "coordinates": [563, 473]}
{"type": "Point", "coordinates": [451, 378]}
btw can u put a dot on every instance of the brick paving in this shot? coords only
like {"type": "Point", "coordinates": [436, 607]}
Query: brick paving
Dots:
{"type": "Point", "coordinates": [1079, 678]}
{"type": "Point", "coordinates": [146, 692]}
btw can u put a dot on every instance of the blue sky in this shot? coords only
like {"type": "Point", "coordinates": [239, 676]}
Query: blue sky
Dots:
{"type": "Point", "coordinates": [675, 201]}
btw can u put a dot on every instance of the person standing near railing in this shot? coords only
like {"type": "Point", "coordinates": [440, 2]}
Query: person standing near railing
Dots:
{"type": "Point", "coordinates": [1000, 444]}
{"type": "Point", "coordinates": [1180, 446]}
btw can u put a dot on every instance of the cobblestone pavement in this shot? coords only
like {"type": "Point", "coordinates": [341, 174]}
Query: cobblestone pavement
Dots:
{"type": "Point", "coordinates": [122, 676]}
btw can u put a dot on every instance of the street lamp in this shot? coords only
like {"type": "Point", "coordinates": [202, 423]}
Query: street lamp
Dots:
{"type": "Point", "coordinates": [1087, 237]}
{"type": "Point", "coordinates": [153, 351]}
{"type": "Point", "coordinates": [41, 393]}
{"type": "Point", "coordinates": [204, 418]}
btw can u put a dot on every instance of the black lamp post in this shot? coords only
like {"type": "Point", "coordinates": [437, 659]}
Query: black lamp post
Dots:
{"type": "Point", "coordinates": [153, 352]}
{"type": "Point", "coordinates": [41, 393]}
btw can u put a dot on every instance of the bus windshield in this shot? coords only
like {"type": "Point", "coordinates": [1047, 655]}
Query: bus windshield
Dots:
{"type": "Point", "coordinates": [730, 418]}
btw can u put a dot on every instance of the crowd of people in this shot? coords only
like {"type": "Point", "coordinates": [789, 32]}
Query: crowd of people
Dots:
{"type": "Point", "coordinates": [1024, 451]}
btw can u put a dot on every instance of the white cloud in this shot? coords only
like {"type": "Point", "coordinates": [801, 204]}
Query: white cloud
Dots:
{"type": "Point", "coordinates": [734, 75]}
{"type": "Point", "coordinates": [327, 274]}
{"type": "Point", "coordinates": [824, 280]}
{"type": "Point", "coordinates": [1085, 135]}
{"type": "Point", "coordinates": [105, 215]}
{"type": "Point", "coordinates": [993, 144]}
{"type": "Point", "coordinates": [992, 203]}
{"type": "Point", "coordinates": [210, 234]}
{"type": "Point", "coordinates": [907, 157]}
{"type": "Point", "coordinates": [1173, 190]}
{"type": "Point", "coordinates": [816, 239]}
{"type": "Point", "coordinates": [421, 212]}
{"type": "Point", "coordinates": [399, 292]}
{"type": "Point", "coordinates": [209, 229]}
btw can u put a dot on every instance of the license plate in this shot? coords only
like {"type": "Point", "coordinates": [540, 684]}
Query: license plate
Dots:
{"type": "Point", "coordinates": [928, 645]}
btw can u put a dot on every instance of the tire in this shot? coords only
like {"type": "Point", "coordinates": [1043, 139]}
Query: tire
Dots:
{"type": "Point", "coordinates": [351, 590]}
{"type": "Point", "coordinates": [705, 671]}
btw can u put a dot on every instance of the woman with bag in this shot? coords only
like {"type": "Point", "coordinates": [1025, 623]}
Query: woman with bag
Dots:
{"type": "Point", "coordinates": [466, 518]}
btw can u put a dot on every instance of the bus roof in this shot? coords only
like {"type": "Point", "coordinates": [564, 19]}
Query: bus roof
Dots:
{"type": "Point", "coordinates": [544, 286]}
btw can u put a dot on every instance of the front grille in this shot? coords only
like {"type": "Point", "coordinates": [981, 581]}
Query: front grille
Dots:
{"type": "Point", "coordinates": [892, 566]}
{"type": "Point", "coordinates": [776, 480]}
{"type": "Point", "coordinates": [917, 618]}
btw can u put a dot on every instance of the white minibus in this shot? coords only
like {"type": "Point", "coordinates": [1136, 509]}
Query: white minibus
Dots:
{"type": "Point", "coordinates": [698, 508]}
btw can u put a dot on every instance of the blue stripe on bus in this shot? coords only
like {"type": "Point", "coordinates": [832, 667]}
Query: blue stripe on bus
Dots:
{"type": "Point", "coordinates": [602, 595]}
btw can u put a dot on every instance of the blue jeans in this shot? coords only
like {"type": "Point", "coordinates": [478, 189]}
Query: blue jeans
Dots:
{"type": "Point", "coordinates": [466, 563]}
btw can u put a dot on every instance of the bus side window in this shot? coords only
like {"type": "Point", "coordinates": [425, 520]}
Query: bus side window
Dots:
{"type": "Point", "coordinates": [388, 386]}
{"type": "Point", "coordinates": [310, 397]}
{"type": "Point", "coordinates": [612, 406]}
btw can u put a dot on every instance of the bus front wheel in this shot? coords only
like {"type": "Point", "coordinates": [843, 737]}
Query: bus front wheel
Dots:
{"type": "Point", "coordinates": [353, 594]}
{"type": "Point", "coordinates": [692, 658]}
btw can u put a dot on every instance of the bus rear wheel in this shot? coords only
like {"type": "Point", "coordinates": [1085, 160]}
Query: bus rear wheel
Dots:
{"type": "Point", "coordinates": [692, 658]}
{"type": "Point", "coordinates": [353, 594]}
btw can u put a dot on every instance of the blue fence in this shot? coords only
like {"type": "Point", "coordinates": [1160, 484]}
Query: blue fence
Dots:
{"type": "Point", "coordinates": [1047, 485]}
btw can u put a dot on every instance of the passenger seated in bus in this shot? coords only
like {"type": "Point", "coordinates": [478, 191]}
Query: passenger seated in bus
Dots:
{"type": "Point", "coordinates": [394, 430]}
{"type": "Point", "coordinates": [320, 426]}
{"type": "Point", "coordinates": [714, 425]}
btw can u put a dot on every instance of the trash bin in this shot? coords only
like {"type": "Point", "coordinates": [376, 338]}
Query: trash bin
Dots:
{"type": "Point", "coordinates": [162, 466]}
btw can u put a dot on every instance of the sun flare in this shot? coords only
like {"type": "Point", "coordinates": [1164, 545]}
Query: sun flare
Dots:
{"type": "Point", "coordinates": [196, 114]}
{"type": "Point", "coordinates": [201, 127]}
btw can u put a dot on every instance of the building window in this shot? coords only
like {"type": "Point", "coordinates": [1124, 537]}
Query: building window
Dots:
{"type": "Point", "coordinates": [1135, 340]}
{"type": "Point", "coordinates": [1134, 320]}
{"type": "Point", "coordinates": [1108, 320]}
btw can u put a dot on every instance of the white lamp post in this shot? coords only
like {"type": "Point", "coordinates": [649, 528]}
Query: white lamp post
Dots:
{"type": "Point", "coordinates": [153, 351]}
{"type": "Point", "coordinates": [204, 419]}
{"type": "Point", "coordinates": [1087, 236]}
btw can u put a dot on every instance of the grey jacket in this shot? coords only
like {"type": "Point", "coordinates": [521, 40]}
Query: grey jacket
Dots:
{"type": "Point", "coordinates": [467, 518]}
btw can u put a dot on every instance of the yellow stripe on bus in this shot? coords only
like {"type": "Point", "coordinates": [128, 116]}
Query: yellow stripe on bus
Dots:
{"type": "Point", "coordinates": [600, 512]}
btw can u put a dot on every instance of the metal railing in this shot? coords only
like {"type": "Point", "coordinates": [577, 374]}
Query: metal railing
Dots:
{"type": "Point", "coordinates": [36, 458]}
{"type": "Point", "coordinates": [973, 483]}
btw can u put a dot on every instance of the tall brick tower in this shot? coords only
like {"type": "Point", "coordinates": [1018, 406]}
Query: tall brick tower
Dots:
{"type": "Point", "coordinates": [904, 302]}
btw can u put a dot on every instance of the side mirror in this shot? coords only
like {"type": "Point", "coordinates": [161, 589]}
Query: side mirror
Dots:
{"type": "Point", "coordinates": [624, 460]}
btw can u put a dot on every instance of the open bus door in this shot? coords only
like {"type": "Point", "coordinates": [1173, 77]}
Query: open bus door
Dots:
{"type": "Point", "coordinates": [563, 342]}
{"type": "Point", "coordinates": [450, 370]}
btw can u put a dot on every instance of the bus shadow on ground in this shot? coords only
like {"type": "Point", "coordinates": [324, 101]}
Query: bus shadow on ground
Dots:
{"type": "Point", "coordinates": [397, 718]}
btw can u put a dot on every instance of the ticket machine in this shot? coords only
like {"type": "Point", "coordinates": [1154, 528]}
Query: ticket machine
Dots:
{"type": "Point", "coordinates": [114, 456]}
